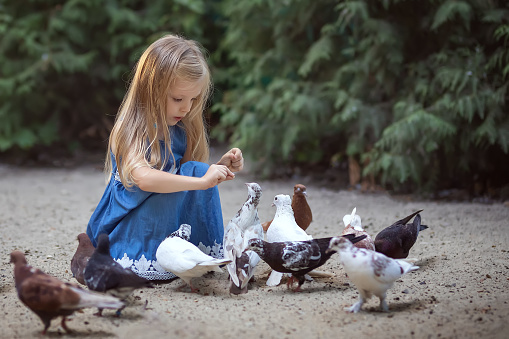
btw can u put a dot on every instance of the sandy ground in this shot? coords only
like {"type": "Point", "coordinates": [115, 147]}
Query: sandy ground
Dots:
{"type": "Point", "coordinates": [460, 290]}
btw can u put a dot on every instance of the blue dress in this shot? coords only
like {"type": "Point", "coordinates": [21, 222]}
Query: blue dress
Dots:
{"type": "Point", "coordinates": [138, 221]}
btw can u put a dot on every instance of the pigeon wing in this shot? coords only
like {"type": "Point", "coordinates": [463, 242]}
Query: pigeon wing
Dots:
{"type": "Point", "coordinates": [44, 293]}
{"type": "Point", "coordinates": [387, 270]}
{"type": "Point", "coordinates": [300, 255]}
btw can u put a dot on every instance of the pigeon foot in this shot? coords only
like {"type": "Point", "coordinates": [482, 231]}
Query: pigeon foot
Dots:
{"type": "Point", "coordinates": [355, 307]}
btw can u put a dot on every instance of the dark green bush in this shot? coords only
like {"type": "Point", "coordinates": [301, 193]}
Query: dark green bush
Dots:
{"type": "Point", "coordinates": [64, 65]}
{"type": "Point", "coordinates": [416, 91]}
{"type": "Point", "coordinates": [417, 88]}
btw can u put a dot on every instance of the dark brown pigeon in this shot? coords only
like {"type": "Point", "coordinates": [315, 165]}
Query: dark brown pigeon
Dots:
{"type": "Point", "coordinates": [49, 298]}
{"type": "Point", "coordinates": [80, 259]}
{"type": "Point", "coordinates": [103, 274]}
{"type": "Point", "coordinates": [301, 210]}
{"type": "Point", "coordinates": [396, 240]}
{"type": "Point", "coordinates": [296, 257]}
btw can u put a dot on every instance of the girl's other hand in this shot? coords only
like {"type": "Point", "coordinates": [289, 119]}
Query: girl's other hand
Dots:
{"type": "Point", "coordinates": [216, 174]}
{"type": "Point", "coordinates": [233, 160]}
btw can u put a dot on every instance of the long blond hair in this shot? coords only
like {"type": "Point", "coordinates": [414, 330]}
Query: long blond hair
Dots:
{"type": "Point", "coordinates": [143, 110]}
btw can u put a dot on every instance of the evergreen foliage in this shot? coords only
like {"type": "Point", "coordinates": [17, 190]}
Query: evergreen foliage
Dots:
{"type": "Point", "coordinates": [415, 90]}
{"type": "Point", "coordinates": [64, 64]}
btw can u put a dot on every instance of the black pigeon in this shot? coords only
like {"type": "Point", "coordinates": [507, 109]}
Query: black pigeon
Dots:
{"type": "Point", "coordinates": [396, 240]}
{"type": "Point", "coordinates": [103, 274]}
{"type": "Point", "coordinates": [296, 257]}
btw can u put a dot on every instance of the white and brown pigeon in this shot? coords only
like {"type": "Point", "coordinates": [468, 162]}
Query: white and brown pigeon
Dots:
{"type": "Point", "coordinates": [80, 258]}
{"type": "Point", "coordinates": [49, 297]}
{"type": "Point", "coordinates": [371, 272]}
{"type": "Point", "coordinates": [296, 257]}
{"type": "Point", "coordinates": [353, 225]}
{"type": "Point", "coordinates": [177, 255]}
{"type": "Point", "coordinates": [245, 225]}
{"type": "Point", "coordinates": [300, 207]}
{"type": "Point", "coordinates": [104, 274]}
{"type": "Point", "coordinates": [396, 240]}
{"type": "Point", "coordinates": [283, 228]}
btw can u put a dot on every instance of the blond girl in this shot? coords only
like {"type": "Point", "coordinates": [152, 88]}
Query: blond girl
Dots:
{"type": "Point", "coordinates": [158, 148]}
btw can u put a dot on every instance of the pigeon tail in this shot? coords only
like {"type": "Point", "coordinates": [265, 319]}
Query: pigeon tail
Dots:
{"type": "Point", "coordinates": [216, 263]}
{"type": "Point", "coordinates": [406, 266]}
{"type": "Point", "coordinates": [407, 219]}
{"type": "Point", "coordinates": [92, 299]}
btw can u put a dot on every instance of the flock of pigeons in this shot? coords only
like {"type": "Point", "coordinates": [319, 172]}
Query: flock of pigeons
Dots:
{"type": "Point", "coordinates": [282, 243]}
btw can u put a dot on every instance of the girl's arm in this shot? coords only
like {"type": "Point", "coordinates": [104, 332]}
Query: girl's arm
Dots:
{"type": "Point", "coordinates": [153, 180]}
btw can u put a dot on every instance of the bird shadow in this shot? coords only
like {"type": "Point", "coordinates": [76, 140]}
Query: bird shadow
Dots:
{"type": "Point", "coordinates": [6, 288]}
{"type": "Point", "coordinates": [123, 315]}
{"type": "Point", "coordinates": [394, 307]}
{"type": "Point", "coordinates": [304, 289]}
{"type": "Point", "coordinates": [426, 262]}
{"type": "Point", "coordinates": [77, 334]}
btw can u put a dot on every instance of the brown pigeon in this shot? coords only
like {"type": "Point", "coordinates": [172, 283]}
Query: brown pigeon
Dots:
{"type": "Point", "coordinates": [300, 206]}
{"type": "Point", "coordinates": [301, 210]}
{"type": "Point", "coordinates": [104, 274]}
{"type": "Point", "coordinates": [396, 240]}
{"type": "Point", "coordinates": [79, 260]}
{"type": "Point", "coordinates": [49, 297]}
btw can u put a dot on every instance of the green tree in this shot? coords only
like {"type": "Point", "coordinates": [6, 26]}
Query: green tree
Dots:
{"type": "Point", "coordinates": [64, 64]}
{"type": "Point", "coordinates": [418, 88]}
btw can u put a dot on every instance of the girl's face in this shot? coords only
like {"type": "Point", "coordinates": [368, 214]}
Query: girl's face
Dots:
{"type": "Point", "coordinates": [181, 98]}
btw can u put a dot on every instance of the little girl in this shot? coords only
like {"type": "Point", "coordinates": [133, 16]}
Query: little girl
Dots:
{"type": "Point", "coordinates": [158, 178]}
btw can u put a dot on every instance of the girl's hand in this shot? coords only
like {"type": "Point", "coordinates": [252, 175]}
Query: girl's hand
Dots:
{"type": "Point", "coordinates": [216, 174]}
{"type": "Point", "coordinates": [233, 160]}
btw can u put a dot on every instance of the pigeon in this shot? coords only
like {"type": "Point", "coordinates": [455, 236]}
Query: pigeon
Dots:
{"type": "Point", "coordinates": [104, 274]}
{"type": "Point", "coordinates": [177, 255]}
{"type": "Point", "coordinates": [80, 259]}
{"type": "Point", "coordinates": [371, 272]}
{"type": "Point", "coordinates": [296, 257]}
{"type": "Point", "coordinates": [300, 207]}
{"type": "Point", "coordinates": [353, 226]}
{"type": "Point", "coordinates": [49, 297]}
{"type": "Point", "coordinates": [243, 226]}
{"type": "Point", "coordinates": [283, 228]}
{"type": "Point", "coordinates": [396, 240]}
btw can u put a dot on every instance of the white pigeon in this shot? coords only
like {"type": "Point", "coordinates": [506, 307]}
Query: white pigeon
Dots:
{"type": "Point", "coordinates": [283, 228]}
{"type": "Point", "coordinates": [177, 255]}
{"type": "Point", "coordinates": [245, 225]}
{"type": "Point", "coordinates": [353, 225]}
{"type": "Point", "coordinates": [371, 272]}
